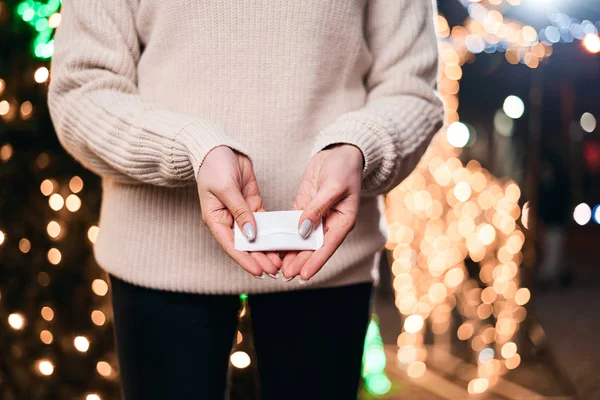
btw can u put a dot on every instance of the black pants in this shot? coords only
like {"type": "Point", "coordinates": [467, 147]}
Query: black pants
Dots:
{"type": "Point", "coordinates": [171, 346]}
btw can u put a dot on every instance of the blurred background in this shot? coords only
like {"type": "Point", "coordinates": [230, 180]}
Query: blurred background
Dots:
{"type": "Point", "coordinates": [489, 278]}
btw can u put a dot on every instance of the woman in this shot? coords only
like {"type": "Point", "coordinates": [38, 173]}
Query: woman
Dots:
{"type": "Point", "coordinates": [185, 109]}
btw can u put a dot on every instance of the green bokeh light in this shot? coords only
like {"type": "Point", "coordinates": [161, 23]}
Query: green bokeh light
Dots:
{"type": "Point", "coordinates": [374, 361]}
{"type": "Point", "coordinates": [28, 14]}
{"type": "Point", "coordinates": [41, 24]}
{"type": "Point", "coordinates": [35, 14]}
{"type": "Point", "coordinates": [378, 384]}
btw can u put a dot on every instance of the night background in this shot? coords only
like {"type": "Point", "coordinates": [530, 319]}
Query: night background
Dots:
{"type": "Point", "coordinates": [509, 191]}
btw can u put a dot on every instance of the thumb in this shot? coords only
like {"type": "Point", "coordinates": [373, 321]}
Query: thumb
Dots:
{"type": "Point", "coordinates": [240, 210]}
{"type": "Point", "coordinates": [317, 208]}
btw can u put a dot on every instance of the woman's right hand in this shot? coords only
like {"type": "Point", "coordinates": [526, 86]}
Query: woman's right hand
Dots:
{"type": "Point", "coordinates": [228, 191]}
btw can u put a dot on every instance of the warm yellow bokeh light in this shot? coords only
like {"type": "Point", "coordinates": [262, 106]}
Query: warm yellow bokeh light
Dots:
{"type": "Point", "coordinates": [103, 368]}
{"type": "Point", "coordinates": [73, 202]}
{"type": "Point", "coordinates": [479, 385]}
{"type": "Point", "coordinates": [45, 367]}
{"type": "Point", "coordinates": [46, 336]}
{"type": "Point", "coordinates": [76, 184]}
{"type": "Point", "coordinates": [99, 287]}
{"type": "Point", "coordinates": [24, 245]}
{"type": "Point", "coordinates": [47, 313]}
{"type": "Point", "coordinates": [54, 256]}
{"type": "Point", "coordinates": [81, 343]}
{"type": "Point", "coordinates": [47, 187]}
{"type": "Point", "coordinates": [16, 321]}
{"type": "Point", "coordinates": [591, 42]}
{"type": "Point", "coordinates": [509, 350]}
{"type": "Point", "coordinates": [53, 229]}
{"type": "Point", "coordinates": [41, 75]}
{"type": "Point", "coordinates": [522, 296]}
{"type": "Point", "coordinates": [54, 20]}
{"type": "Point", "coordinates": [416, 369]}
{"type": "Point", "coordinates": [413, 323]}
{"type": "Point", "coordinates": [240, 359]}
{"type": "Point", "coordinates": [93, 233]}
{"type": "Point", "coordinates": [98, 317]}
{"type": "Point", "coordinates": [56, 201]}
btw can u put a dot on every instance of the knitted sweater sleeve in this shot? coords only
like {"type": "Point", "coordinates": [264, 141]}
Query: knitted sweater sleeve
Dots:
{"type": "Point", "coordinates": [403, 109]}
{"type": "Point", "coordinates": [100, 117]}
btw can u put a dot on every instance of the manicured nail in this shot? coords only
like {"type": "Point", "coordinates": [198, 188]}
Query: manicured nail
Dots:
{"type": "Point", "coordinates": [286, 279]}
{"type": "Point", "coordinates": [302, 281]}
{"type": "Point", "coordinates": [305, 227]}
{"type": "Point", "coordinates": [274, 276]}
{"type": "Point", "coordinates": [261, 276]}
{"type": "Point", "coordinates": [249, 231]}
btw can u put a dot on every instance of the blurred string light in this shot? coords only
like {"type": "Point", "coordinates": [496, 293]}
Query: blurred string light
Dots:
{"type": "Point", "coordinates": [447, 211]}
{"type": "Point", "coordinates": [240, 359]}
{"type": "Point", "coordinates": [513, 107]}
{"type": "Point", "coordinates": [487, 30]}
{"type": "Point", "coordinates": [582, 214]}
{"type": "Point", "coordinates": [596, 214]}
{"type": "Point", "coordinates": [41, 75]}
{"type": "Point", "coordinates": [591, 42]}
{"type": "Point", "coordinates": [588, 122]}
{"type": "Point", "coordinates": [44, 18]}
{"type": "Point", "coordinates": [374, 361]}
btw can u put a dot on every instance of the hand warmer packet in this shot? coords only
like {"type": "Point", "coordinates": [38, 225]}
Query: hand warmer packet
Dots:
{"type": "Point", "coordinates": [278, 230]}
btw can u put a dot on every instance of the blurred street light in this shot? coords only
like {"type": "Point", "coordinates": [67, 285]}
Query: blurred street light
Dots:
{"type": "Point", "coordinates": [591, 42]}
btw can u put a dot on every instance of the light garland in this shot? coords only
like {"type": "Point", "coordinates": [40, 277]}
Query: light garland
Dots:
{"type": "Point", "coordinates": [44, 18]}
{"type": "Point", "coordinates": [445, 212]}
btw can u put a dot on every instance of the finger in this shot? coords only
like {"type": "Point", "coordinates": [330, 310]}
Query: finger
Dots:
{"type": "Point", "coordinates": [224, 236]}
{"type": "Point", "coordinates": [275, 259]}
{"type": "Point", "coordinates": [232, 198]}
{"type": "Point", "coordinates": [295, 266]}
{"type": "Point", "coordinates": [287, 259]}
{"type": "Point", "coordinates": [317, 208]}
{"type": "Point", "coordinates": [333, 239]}
{"type": "Point", "coordinates": [265, 262]}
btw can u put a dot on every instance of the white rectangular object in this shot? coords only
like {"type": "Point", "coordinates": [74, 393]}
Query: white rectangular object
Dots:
{"type": "Point", "coordinates": [278, 230]}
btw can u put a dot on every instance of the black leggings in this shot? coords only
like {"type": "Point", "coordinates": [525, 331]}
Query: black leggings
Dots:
{"type": "Point", "coordinates": [309, 343]}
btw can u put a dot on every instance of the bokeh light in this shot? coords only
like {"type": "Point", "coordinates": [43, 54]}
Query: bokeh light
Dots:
{"type": "Point", "coordinates": [591, 42]}
{"type": "Point", "coordinates": [16, 321]}
{"type": "Point", "coordinates": [582, 214]}
{"type": "Point", "coordinates": [458, 134]}
{"type": "Point", "coordinates": [41, 75]}
{"type": "Point", "coordinates": [240, 359]}
{"type": "Point", "coordinates": [81, 343]}
{"type": "Point", "coordinates": [513, 107]}
{"type": "Point", "coordinates": [588, 122]}
{"type": "Point", "coordinates": [99, 287]}
{"type": "Point", "coordinates": [45, 367]}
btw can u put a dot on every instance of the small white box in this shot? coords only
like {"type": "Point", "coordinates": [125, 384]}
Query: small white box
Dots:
{"type": "Point", "coordinates": [278, 230]}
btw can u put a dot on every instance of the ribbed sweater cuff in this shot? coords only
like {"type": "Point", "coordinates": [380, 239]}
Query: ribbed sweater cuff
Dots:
{"type": "Point", "coordinates": [192, 144]}
{"type": "Point", "coordinates": [359, 132]}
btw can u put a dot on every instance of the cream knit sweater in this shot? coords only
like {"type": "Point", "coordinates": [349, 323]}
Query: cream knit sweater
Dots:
{"type": "Point", "coordinates": [142, 90]}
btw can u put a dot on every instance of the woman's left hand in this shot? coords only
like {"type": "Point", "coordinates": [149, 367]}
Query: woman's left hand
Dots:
{"type": "Point", "coordinates": [329, 191]}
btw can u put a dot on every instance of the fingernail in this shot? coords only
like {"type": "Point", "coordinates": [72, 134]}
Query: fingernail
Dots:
{"type": "Point", "coordinates": [249, 231]}
{"type": "Point", "coordinates": [274, 276]}
{"type": "Point", "coordinates": [304, 230]}
{"type": "Point", "coordinates": [279, 274]}
{"type": "Point", "coordinates": [261, 276]}
{"type": "Point", "coordinates": [302, 281]}
{"type": "Point", "coordinates": [286, 279]}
